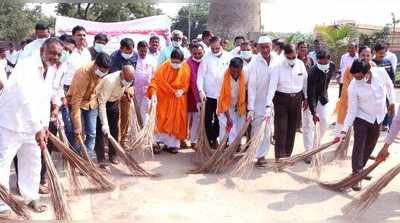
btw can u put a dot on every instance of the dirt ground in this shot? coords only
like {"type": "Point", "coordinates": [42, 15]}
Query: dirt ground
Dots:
{"type": "Point", "coordinates": [264, 196]}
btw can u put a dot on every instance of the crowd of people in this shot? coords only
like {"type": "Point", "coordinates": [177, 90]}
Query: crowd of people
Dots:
{"type": "Point", "coordinates": [53, 80]}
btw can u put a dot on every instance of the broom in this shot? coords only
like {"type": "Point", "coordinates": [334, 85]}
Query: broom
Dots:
{"type": "Point", "coordinates": [368, 197]}
{"type": "Point", "coordinates": [316, 161]}
{"type": "Point", "coordinates": [84, 151]}
{"type": "Point", "coordinates": [129, 161]}
{"type": "Point", "coordinates": [341, 151]}
{"type": "Point", "coordinates": [245, 163]}
{"type": "Point", "coordinates": [135, 125]}
{"type": "Point", "coordinates": [17, 206]}
{"type": "Point", "coordinates": [94, 175]}
{"type": "Point", "coordinates": [137, 114]}
{"type": "Point", "coordinates": [350, 180]}
{"type": "Point", "coordinates": [59, 201]}
{"type": "Point", "coordinates": [203, 151]}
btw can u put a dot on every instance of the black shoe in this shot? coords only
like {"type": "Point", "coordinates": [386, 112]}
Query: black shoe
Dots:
{"type": "Point", "coordinates": [172, 150]}
{"type": "Point", "coordinates": [368, 178]}
{"type": "Point", "coordinates": [356, 186]}
{"type": "Point", "coordinates": [114, 160]}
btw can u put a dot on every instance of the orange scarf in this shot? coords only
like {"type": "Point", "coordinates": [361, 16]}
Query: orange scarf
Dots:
{"type": "Point", "coordinates": [224, 101]}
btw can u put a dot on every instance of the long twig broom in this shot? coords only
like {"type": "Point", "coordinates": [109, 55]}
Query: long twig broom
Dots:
{"type": "Point", "coordinates": [94, 175]}
{"type": "Point", "coordinates": [316, 162]}
{"type": "Point", "coordinates": [135, 126]}
{"type": "Point", "coordinates": [145, 137]}
{"type": "Point", "coordinates": [129, 161]}
{"type": "Point", "coordinates": [137, 114]}
{"type": "Point", "coordinates": [203, 151]}
{"type": "Point", "coordinates": [350, 180]}
{"type": "Point", "coordinates": [342, 149]}
{"type": "Point", "coordinates": [17, 206]}
{"type": "Point", "coordinates": [368, 197]}
{"type": "Point", "coordinates": [84, 151]}
{"type": "Point", "coordinates": [60, 206]}
{"type": "Point", "coordinates": [245, 163]}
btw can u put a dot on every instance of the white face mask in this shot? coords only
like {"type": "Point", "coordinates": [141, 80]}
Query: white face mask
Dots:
{"type": "Point", "coordinates": [126, 56]}
{"type": "Point", "coordinates": [323, 67]}
{"type": "Point", "coordinates": [291, 63]}
{"type": "Point", "coordinates": [65, 56]}
{"type": "Point", "coordinates": [100, 73]}
{"type": "Point", "coordinates": [99, 47]}
{"type": "Point", "coordinates": [176, 43]}
{"type": "Point", "coordinates": [176, 66]}
{"type": "Point", "coordinates": [218, 54]}
{"type": "Point", "coordinates": [126, 83]}
{"type": "Point", "coordinates": [362, 81]}
{"type": "Point", "coordinates": [246, 54]}
{"type": "Point", "coordinates": [197, 60]}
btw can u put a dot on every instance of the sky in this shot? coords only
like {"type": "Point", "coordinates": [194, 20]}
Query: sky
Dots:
{"type": "Point", "coordinates": [302, 15]}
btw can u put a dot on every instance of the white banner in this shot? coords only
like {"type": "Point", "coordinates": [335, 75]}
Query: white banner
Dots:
{"type": "Point", "coordinates": [138, 29]}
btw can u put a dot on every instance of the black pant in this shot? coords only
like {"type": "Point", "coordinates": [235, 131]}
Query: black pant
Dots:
{"type": "Point", "coordinates": [287, 108]}
{"type": "Point", "coordinates": [365, 137]}
{"type": "Point", "coordinates": [112, 109]}
{"type": "Point", "coordinates": [211, 120]}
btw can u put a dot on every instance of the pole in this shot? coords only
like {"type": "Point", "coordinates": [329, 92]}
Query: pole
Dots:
{"type": "Point", "coordinates": [189, 22]}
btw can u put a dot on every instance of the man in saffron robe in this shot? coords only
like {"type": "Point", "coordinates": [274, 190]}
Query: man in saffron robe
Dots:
{"type": "Point", "coordinates": [232, 100]}
{"type": "Point", "coordinates": [169, 87]}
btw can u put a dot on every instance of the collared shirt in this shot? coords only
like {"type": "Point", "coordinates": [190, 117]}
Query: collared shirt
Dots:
{"type": "Point", "coordinates": [117, 61]}
{"type": "Point", "coordinates": [234, 92]}
{"type": "Point", "coordinates": [259, 73]}
{"type": "Point", "coordinates": [345, 62]}
{"type": "Point", "coordinates": [368, 101]}
{"type": "Point", "coordinates": [193, 92]}
{"type": "Point", "coordinates": [109, 89]}
{"type": "Point", "coordinates": [143, 74]}
{"type": "Point", "coordinates": [25, 102]}
{"type": "Point", "coordinates": [287, 79]}
{"type": "Point", "coordinates": [153, 57]}
{"type": "Point", "coordinates": [211, 74]}
{"type": "Point", "coordinates": [31, 49]}
{"type": "Point", "coordinates": [78, 59]}
{"type": "Point", "coordinates": [317, 86]}
{"type": "Point", "coordinates": [81, 94]}
{"type": "Point", "coordinates": [165, 54]}
{"type": "Point", "coordinates": [394, 128]}
{"type": "Point", "coordinates": [385, 63]}
{"type": "Point", "coordinates": [393, 60]}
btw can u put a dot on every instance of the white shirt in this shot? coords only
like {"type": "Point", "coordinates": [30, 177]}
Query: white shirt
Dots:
{"type": "Point", "coordinates": [153, 57]}
{"type": "Point", "coordinates": [259, 73]}
{"type": "Point", "coordinates": [205, 47]}
{"type": "Point", "coordinates": [31, 49]}
{"type": "Point", "coordinates": [77, 60]}
{"type": "Point", "coordinates": [25, 102]}
{"type": "Point", "coordinates": [313, 56]}
{"type": "Point", "coordinates": [211, 74]}
{"type": "Point", "coordinates": [143, 74]}
{"type": "Point", "coordinates": [393, 59]}
{"type": "Point", "coordinates": [368, 101]}
{"type": "Point", "coordinates": [287, 79]}
{"type": "Point", "coordinates": [346, 61]}
{"type": "Point", "coordinates": [3, 75]}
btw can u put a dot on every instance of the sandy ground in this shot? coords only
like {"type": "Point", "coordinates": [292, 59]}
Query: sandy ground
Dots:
{"type": "Point", "coordinates": [264, 196]}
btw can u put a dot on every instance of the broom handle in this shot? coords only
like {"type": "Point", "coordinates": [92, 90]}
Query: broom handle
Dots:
{"type": "Point", "coordinates": [84, 152]}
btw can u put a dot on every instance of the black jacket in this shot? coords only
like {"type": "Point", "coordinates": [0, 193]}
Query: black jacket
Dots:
{"type": "Point", "coordinates": [317, 86]}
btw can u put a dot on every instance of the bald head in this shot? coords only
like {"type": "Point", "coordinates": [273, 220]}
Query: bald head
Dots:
{"type": "Point", "coordinates": [127, 73]}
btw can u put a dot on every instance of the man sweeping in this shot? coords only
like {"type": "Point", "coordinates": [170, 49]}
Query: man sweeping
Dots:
{"type": "Point", "coordinates": [24, 118]}
{"type": "Point", "coordinates": [259, 74]}
{"type": "Point", "coordinates": [231, 107]}
{"type": "Point", "coordinates": [110, 90]}
{"type": "Point", "coordinates": [367, 109]}
{"type": "Point", "coordinates": [169, 88]}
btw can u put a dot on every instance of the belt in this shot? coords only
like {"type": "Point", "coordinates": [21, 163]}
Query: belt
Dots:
{"type": "Point", "coordinates": [289, 94]}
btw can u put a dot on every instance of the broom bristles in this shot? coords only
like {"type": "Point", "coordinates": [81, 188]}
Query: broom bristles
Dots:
{"type": "Point", "coordinates": [203, 151]}
{"type": "Point", "coordinates": [17, 206]}
{"type": "Point", "coordinates": [137, 113]}
{"type": "Point", "coordinates": [343, 147]}
{"type": "Point", "coordinates": [84, 151]}
{"type": "Point", "coordinates": [130, 162]}
{"type": "Point", "coordinates": [350, 180]}
{"type": "Point", "coordinates": [60, 206]}
{"type": "Point", "coordinates": [369, 196]}
{"type": "Point", "coordinates": [316, 162]}
{"type": "Point", "coordinates": [94, 175]}
{"type": "Point", "coordinates": [245, 163]}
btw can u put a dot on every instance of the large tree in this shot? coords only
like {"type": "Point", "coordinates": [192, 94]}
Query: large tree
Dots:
{"type": "Point", "coordinates": [198, 19]}
{"type": "Point", "coordinates": [107, 12]}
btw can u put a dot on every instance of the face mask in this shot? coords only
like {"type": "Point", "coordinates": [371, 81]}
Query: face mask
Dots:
{"type": "Point", "coordinates": [126, 56]}
{"type": "Point", "coordinates": [246, 54]}
{"type": "Point", "coordinates": [290, 62]}
{"type": "Point", "coordinates": [126, 83]}
{"type": "Point", "coordinates": [323, 68]}
{"type": "Point", "coordinates": [65, 56]}
{"type": "Point", "coordinates": [100, 73]}
{"type": "Point", "coordinates": [218, 54]}
{"type": "Point", "coordinates": [176, 66]}
{"type": "Point", "coordinates": [41, 40]}
{"type": "Point", "coordinates": [99, 47]}
{"type": "Point", "coordinates": [176, 43]}
{"type": "Point", "coordinates": [197, 60]}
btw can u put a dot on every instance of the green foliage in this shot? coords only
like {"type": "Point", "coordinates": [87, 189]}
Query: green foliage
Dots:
{"type": "Point", "coordinates": [198, 16]}
{"type": "Point", "coordinates": [17, 22]}
{"type": "Point", "coordinates": [104, 12]}
{"type": "Point", "coordinates": [379, 36]}
{"type": "Point", "coordinates": [298, 36]}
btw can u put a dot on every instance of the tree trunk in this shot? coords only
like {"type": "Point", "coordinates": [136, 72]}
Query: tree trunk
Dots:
{"type": "Point", "coordinates": [229, 18]}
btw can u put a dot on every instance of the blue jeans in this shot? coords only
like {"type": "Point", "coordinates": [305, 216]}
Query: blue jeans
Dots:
{"type": "Point", "coordinates": [89, 118]}
{"type": "Point", "coordinates": [69, 130]}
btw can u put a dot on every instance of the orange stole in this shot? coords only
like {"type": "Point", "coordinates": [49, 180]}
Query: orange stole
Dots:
{"type": "Point", "coordinates": [224, 100]}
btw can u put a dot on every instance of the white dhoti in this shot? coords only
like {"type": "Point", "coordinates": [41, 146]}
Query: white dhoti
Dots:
{"type": "Point", "coordinates": [169, 140]}
{"type": "Point", "coordinates": [255, 127]}
{"type": "Point", "coordinates": [308, 124]}
{"type": "Point", "coordinates": [237, 125]}
{"type": "Point", "coordinates": [29, 163]}
{"type": "Point", "coordinates": [194, 122]}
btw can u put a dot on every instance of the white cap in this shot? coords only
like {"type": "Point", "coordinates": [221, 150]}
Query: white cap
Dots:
{"type": "Point", "coordinates": [177, 33]}
{"type": "Point", "coordinates": [264, 39]}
